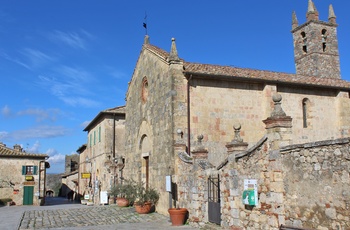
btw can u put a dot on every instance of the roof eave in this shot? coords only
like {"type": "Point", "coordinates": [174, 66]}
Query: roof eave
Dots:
{"type": "Point", "coordinates": [101, 115]}
{"type": "Point", "coordinates": [209, 76]}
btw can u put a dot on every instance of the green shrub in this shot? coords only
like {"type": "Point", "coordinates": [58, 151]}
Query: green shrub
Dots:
{"type": "Point", "coordinates": [3, 201]}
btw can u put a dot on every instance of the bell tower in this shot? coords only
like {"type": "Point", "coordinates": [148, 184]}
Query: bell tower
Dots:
{"type": "Point", "coordinates": [316, 44]}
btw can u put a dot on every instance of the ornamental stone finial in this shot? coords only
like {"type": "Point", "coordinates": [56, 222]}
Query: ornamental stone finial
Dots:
{"type": "Point", "coordinates": [237, 137]}
{"type": "Point", "coordinates": [146, 40]}
{"type": "Point", "coordinates": [331, 15]}
{"type": "Point", "coordinates": [277, 110]}
{"type": "Point", "coordinates": [200, 138]}
{"type": "Point", "coordinates": [295, 22]}
{"type": "Point", "coordinates": [173, 56]}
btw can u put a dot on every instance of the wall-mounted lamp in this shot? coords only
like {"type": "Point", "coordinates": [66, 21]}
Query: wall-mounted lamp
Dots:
{"type": "Point", "coordinates": [179, 132]}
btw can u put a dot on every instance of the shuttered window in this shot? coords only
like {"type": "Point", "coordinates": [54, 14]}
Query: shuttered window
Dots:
{"type": "Point", "coordinates": [29, 170]}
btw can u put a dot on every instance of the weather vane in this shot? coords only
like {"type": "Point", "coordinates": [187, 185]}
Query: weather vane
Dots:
{"type": "Point", "coordinates": [145, 22]}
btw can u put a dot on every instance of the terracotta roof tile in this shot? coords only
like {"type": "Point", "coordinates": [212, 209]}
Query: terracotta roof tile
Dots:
{"type": "Point", "coordinates": [120, 110]}
{"type": "Point", "coordinates": [160, 52]}
{"type": "Point", "coordinates": [7, 152]}
{"type": "Point", "coordinates": [262, 75]}
{"type": "Point", "coordinates": [251, 74]}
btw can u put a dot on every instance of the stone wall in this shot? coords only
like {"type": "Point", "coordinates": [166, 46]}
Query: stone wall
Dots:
{"type": "Point", "coordinates": [149, 122]}
{"type": "Point", "coordinates": [317, 184]}
{"type": "Point", "coordinates": [71, 163]}
{"type": "Point", "coordinates": [215, 106]}
{"type": "Point", "coordinates": [11, 171]}
{"type": "Point", "coordinates": [305, 185]}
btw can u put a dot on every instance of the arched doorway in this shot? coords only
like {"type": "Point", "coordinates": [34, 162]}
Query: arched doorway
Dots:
{"type": "Point", "coordinates": [145, 161]}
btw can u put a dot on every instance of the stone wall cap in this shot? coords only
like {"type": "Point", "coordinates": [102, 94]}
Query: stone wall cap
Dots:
{"type": "Point", "coordinates": [185, 157]}
{"type": "Point", "coordinates": [315, 144]}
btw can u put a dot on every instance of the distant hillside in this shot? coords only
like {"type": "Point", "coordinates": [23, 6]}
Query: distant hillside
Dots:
{"type": "Point", "coordinates": [54, 182]}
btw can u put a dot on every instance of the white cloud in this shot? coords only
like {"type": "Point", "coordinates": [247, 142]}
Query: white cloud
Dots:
{"type": "Point", "coordinates": [41, 114]}
{"type": "Point", "coordinates": [15, 60]}
{"type": "Point", "coordinates": [80, 101]}
{"type": "Point", "coordinates": [51, 152]}
{"type": "Point", "coordinates": [6, 111]}
{"type": "Point", "coordinates": [85, 123]}
{"type": "Point", "coordinates": [44, 131]}
{"type": "Point", "coordinates": [57, 159]}
{"type": "Point", "coordinates": [34, 149]}
{"type": "Point", "coordinates": [3, 135]}
{"type": "Point", "coordinates": [73, 39]}
{"type": "Point", "coordinates": [68, 87]}
{"type": "Point", "coordinates": [36, 58]}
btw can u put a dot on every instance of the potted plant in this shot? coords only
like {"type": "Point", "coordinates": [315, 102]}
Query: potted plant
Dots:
{"type": "Point", "coordinates": [146, 198]}
{"type": "Point", "coordinates": [124, 193]}
{"type": "Point", "coordinates": [178, 216]}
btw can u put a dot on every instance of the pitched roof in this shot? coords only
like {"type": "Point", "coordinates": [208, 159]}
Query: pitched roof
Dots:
{"type": "Point", "coordinates": [120, 110]}
{"type": "Point", "coordinates": [156, 50]}
{"type": "Point", "coordinates": [234, 73]}
{"type": "Point", "coordinates": [81, 148]}
{"type": "Point", "coordinates": [7, 152]}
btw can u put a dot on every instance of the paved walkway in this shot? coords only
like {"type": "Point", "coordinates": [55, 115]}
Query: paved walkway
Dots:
{"type": "Point", "coordinates": [58, 213]}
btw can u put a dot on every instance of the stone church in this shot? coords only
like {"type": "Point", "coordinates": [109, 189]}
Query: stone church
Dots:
{"type": "Point", "coordinates": [222, 132]}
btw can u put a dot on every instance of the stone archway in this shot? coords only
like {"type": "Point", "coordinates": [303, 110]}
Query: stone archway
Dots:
{"type": "Point", "coordinates": [145, 154]}
{"type": "Point", "coordinates": [49, 193]}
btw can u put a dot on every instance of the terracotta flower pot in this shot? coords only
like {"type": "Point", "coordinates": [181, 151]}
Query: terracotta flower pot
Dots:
{"type": "Point", "coordinates": [122, 202]}
{"type": "Point", "coordinates": [178, 216]}
{"type": "Point", "coordinates": [144, 208]}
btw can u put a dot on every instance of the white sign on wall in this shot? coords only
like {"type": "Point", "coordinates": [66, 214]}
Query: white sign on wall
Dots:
{"type": "Point", "coordinates": [168, 183]}
{"type": "Point", "coordinates": [252, 184]}
{"type": "Point", "coordinates": [103, 197]}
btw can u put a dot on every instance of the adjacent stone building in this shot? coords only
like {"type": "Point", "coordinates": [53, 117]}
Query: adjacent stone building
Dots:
{"type": "Point", "coordinates": [101, 159]}
{"type": "Point", "coordinates": [22, 175]}
{"type": "Point", "coordinates": [290, 133]}
{"type": "Point", "coordinates": [70, 181]}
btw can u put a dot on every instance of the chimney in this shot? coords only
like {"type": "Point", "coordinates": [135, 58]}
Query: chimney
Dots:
{"type": "Point", "coordinates": [18, 148]}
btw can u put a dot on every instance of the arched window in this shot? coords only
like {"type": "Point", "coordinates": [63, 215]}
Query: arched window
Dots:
{"type": "Point", "coordinates": [324, 40]}
{"type": "Point", "coordinates": [306, 108]}
{"type": "Point", "coordinates": [303, 35]}
{"type": "Point", "coordinates": [144, 93]}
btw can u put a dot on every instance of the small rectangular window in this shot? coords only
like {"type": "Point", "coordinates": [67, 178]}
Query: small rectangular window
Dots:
{"type": "Point", "coordinates": [29, 170]}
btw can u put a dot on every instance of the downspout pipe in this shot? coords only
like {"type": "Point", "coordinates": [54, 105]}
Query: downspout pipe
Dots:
{"type": "Point", "coordinates": [114, 176]}
{"type": "Point", "coordinates": [188, 115]}
{"type": "Point", "coordinates": [113, 136]}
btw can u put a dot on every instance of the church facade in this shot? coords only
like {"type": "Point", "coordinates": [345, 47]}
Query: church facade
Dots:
{"type": "Point", "coordinates": [222, 132]}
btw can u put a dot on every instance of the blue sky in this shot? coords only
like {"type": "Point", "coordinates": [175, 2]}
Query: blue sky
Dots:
{"type": "Point", "coordinates": [63, 61]}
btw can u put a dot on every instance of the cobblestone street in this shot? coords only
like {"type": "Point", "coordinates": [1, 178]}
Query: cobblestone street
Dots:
{"type": "Point", "coordinates": [59, 213]}
{"type": "Point", "coordinates": [87, 216]}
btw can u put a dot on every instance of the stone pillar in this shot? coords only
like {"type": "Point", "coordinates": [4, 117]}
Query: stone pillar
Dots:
{"type": "Point", "coordinates": [278, 125]}
{"type": "Point", "coordinates": [179, 175]}
{"type": "Point", "coordinates": [199, 194]}
{"type": "Point", "coordinates": [279, 133]}
{"type": "Point", "coordinates": [236, 145]}
{"type": "Point", "coordinates": [199, 153]}
{"type": "Point", "coordinates": [229, 181]}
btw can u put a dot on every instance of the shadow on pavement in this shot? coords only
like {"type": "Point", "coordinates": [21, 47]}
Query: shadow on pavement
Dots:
{"type": "Point", "coordinates": [50, 201]}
